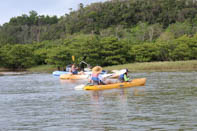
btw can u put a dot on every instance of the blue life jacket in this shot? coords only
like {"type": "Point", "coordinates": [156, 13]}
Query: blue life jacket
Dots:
{"type": "Point", "coordinates": [75, 72]}
{"type": "Point", "coordinates": [121, 77]}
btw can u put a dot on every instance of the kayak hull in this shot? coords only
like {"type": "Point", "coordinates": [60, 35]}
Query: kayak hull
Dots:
{"type": "Point", "coordinates": [73, 77]}
{"type": "Point", "coordinates": [133, 83]}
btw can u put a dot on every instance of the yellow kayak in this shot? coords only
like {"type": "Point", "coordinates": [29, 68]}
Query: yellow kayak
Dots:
{"type": "Point", "coordinates": [134, 82]}
{"type": "Point", "coordinates": [73, 77]}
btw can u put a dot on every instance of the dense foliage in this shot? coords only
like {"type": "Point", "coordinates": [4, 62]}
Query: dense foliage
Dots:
{"type": "Point", "coordinates": [109, 33]}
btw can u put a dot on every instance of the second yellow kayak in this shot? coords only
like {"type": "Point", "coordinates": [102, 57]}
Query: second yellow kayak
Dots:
{"type": "Point", "coordinates": [73, 77]}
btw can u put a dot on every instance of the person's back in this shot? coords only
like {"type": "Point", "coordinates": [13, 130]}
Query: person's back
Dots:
{"type": "Point", "coordinates": [96, 78]}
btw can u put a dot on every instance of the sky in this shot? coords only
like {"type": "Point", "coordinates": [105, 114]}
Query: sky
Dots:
{"type": "Point", "coordinates": [13, 8]}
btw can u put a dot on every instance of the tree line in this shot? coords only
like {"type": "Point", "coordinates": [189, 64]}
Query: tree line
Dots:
{"type": "Point", "coordinates": [109, 33]}
{"type": "Point", "coordinates": [96, 50]}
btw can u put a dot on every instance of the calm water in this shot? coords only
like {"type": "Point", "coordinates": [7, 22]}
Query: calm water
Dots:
{"type": "Point", "coordinates": [43, 102]}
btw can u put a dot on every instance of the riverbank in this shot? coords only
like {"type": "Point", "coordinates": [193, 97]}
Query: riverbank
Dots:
{"type": "Point", "coordinates": [137, 67]}
{"type": "Point", "coordinates": [43, 69]}
{"type": "Point", "coordinates": [158, 66]}
{"type": "Point", "coordinates": [37, 69]}
{"type": "Point", "coordinates": [133, 67]}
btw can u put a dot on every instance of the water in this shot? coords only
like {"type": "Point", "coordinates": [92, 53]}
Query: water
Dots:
{"type": "Point", "coordinates": [43, 102]}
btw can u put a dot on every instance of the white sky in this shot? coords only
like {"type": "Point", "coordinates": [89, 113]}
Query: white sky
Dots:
{"type": "Point", "coordinates": [13, 8]}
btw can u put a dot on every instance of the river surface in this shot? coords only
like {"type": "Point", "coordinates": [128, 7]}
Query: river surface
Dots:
{"type": "Point", "coordinates": [42, 102]}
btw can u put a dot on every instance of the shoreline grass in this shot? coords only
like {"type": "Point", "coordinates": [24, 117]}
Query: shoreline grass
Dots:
{"type": "Point", "coordinates": [43, 69]}
{"type": "Point", "coordinates": [158, 66]}
{"type": "Point", "coordinates": [165, 66]}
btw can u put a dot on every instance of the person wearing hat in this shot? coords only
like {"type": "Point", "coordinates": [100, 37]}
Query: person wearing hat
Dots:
{"type": "Point", "coordinates": [96, 78]}
{"type": "Point", "coordinates": [124, 76]}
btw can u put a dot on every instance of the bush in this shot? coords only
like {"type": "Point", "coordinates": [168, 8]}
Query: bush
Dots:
{"type": "Point", "coordinates": [145, 52]}
{"type": "Point", "coordinates": [18, 57]}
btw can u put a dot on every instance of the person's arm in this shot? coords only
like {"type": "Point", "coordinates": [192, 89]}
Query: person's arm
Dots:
{"type": "Point", "coordinates": [126, 78]}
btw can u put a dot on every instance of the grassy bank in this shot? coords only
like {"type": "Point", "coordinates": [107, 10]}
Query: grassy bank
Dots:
{"type": "Point", "coordinates": [43, 69]}
{"type": "Point", "coordinates": [39, 69]}
{"type": "Point", "coordinates": [158, 66]}
{"type": "Point", "coordinates": [138, 67]}
{"type": "Point", "coordinates": [133, 67]}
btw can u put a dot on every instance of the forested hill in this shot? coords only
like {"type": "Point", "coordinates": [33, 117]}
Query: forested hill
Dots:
{"type": "Point", "coordinates": [98, 18]}
{"type": "Point", "coordinates": [110, 33]}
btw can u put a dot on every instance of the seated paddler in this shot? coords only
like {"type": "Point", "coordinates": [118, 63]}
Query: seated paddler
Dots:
{"type": "Point", "coordinates": [96, 77]}
{"type": "Point", "coordinates": [74, 69]}
{"type": "Point", "coordinates": [124, 76]}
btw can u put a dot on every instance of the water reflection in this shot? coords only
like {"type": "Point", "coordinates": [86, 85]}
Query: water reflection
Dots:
{"type": "Point", "coordinates": [62, 81]}
{"type": "Point", "coordinates": [107, 104]}
{"type": "Point", "coordinates": [121, 94]}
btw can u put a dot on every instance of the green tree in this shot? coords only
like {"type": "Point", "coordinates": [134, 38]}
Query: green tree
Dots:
{"type": "Point", "coordinates": [186, 48]}
{"type": "Point", "coordinates": [112, 51]}
{"type": "Point", "coordinates": [164, 50]}
{"type": "Point", "coordinates": [3, 54]}
{"type": "Point", "coordinates": [85, 47]}
{"type": "Point", "coordinates": [19, 57]}
{"type": "Point", "coordinates": [181, 52]}
{"type": "Point", "coordinates": [180, 29]}
{"type": "Point", "coordinates": [59, 56]}
{"type": "Point", "coordinates": [145, 52]}
{"type": "Point", "coordinates": [193, 46]}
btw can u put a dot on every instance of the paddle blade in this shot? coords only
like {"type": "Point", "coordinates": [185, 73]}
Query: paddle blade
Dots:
{"type": "Point", "coordinates": [106, 75]}
{"type": "Point", "coordinates": [73, 58]}
{"type": "Point", "coordinates": [79, 87]}
{"type": "Point", "coordinates": [114, 71]}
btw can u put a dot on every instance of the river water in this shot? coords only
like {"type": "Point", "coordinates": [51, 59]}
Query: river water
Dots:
{"type": "Point", "coordinates": [42, 102]}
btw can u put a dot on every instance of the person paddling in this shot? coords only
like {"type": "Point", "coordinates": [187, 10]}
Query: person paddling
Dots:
{"type": "Point", "coordinates": [96, 77]}
{"type": "Point", "coordinates": [74, 69]}
{"type": "Point", "coordinates": [124, 76]}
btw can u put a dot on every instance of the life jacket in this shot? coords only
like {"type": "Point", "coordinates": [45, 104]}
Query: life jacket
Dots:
{"type": "Point", "coordinates": [121, 77]}
{"type": "Point", "coordinates": [74, 72]}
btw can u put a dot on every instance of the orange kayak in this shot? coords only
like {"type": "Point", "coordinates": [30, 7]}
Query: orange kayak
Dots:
{"type": "Point", "coordinates": [73, 77]}
{"type": "Point", "coordinates": [134, 82]}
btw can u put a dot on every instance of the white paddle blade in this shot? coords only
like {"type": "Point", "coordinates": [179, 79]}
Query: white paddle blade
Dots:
{"type": "Point", "coordinates": [106, 75]}
{"type": "Point", "coordinates": [121, 71]}
{"type": "Point", "coordinates": [114, 71]}
{"type": "Point", "coordinates": [79, 87]}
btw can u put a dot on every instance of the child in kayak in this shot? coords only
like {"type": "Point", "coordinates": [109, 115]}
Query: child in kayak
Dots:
{"type": "Point", "coordinates": [124, 76]}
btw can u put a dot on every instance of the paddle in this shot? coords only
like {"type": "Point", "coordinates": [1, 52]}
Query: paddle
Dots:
{"type": "Point", "coordinates": [80, 87]}
{"type": "Point", "coordinates": [114, 71]}
{"type": "Point", "coordinates": [73, 58]}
